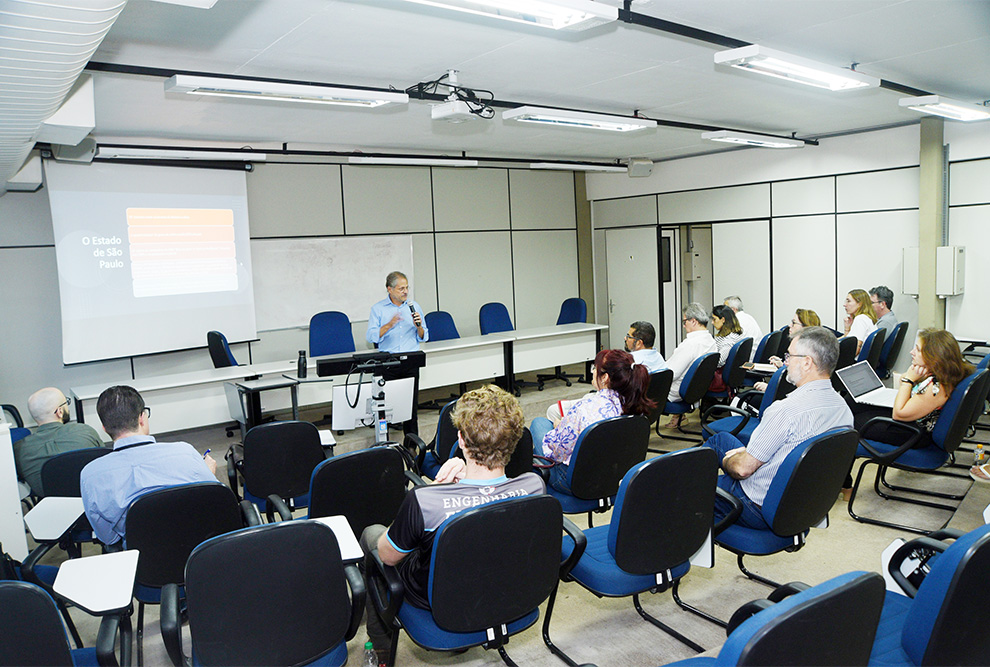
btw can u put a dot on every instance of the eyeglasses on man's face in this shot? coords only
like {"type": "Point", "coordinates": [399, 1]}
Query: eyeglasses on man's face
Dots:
{"type": "Point", "coordinates": [788, 355]}
{"type": "Point", "coordinates": [64, 404]}
{"type": "Point", "coordinates": [146, 411]}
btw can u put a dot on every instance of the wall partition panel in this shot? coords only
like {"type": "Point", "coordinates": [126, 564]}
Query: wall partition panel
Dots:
{"type": "Point", "coordinates": [630, 212]}
{"type": "Point", "coordinates": [470, 199]}
{"type": "Point", "coordinates": [541, 199]}
{"type": "Point", "coordinates": [804, 267]}
{"type": "Point", "coordinates": [387, 200]}
{"type": "Point", "coordinates": [802, 197]}
{"type": "Point", "coordinates": [295, 200]}
{"type": "Point", "coordinates": [967, 183]}
{"type": "Point", "coordinates": [473, 269]}
{"type": "Point", "coordinates": [877, 190]}
{"type": "Point", "coordinates": [870, 254]}
{"type": "Point", "coordinates": [967, 315]}
{"type": "Point", "coordinates": [741, 266]}
{"type": "Point", "coordinates": [544, 267]}
{"type": "Point", "coordinates": [424, 287]}
{"type": "Point", "coordinates": [735, 203]}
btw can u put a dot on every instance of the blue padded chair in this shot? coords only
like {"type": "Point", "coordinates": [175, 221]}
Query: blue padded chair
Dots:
{"type": "Point", "coordinates": [267, 595]}
{"type": "Point", "coordinates": [847, 357]}
{"type": "Point", "coordinates": [572, 310]}
{"type": "Point", "coordinates": [785, 340]}
{"type": "Point", "coordinates": [657, 391]}
{"type": "Point", "coordinates": [60, 477]}
{"type": "Point", "coordinates": [330, 333]}
{"type": "Point", "coordinates": [802, 492]}
{"type": "Point", "coordinates": [604, 452]}
{"type": "Point", "coordinates": [733, 372]}
{"type": "Point", "coordinates": [276, 462]}
{"type": "Point", "coordinates": [515, 543]}
{"type": "Point", "coordinates": [943, 620]}
{"type": "Point", "coordinates": [694, 385]}
{"type": "Point", "coordinates": [494, 318]}
{"type": "Point", "coordinates": [768, 346]}
{"type": "Point", "coordinates": [219, 349]}
{"type": "Point", "coordinates": [430, 457]}
{"type": "Point", "coordinates": [872, 348]}
{"type": "Point", "coordinates": [742, 424]}
{"type": "Point", "coordinates": [441, 326]}
{"type": "Point", "coordinates": [662, 517]}
{"type": "Point", "coordinates": [31, 632]}
{"type": "Point", "coordinates": [951, 427]}
{"type": "Point", "coordinates": [17, 431]}
{"type": "Point", "coordinates": [166, 525]}
{"type": "Point", "coordinates": [891, 348]}
{"type": "Point", "coordinates": [811, 627]}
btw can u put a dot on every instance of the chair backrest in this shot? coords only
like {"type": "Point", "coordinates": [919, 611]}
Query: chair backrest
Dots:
{"type": "Point", "coordinates": [776, 389]}
{"type": "Point", "coordinates": [892, 346]}
{"type": "Point", "coordinates": [573, 310]}
{"type": "Point", "coordinates": [247, 588]}
{"type": "Point", "coordinates": [604, 452]}
{"type": "Point", "coordinates": [31, 631]}
{"type": "Point", "coordinates": [957, 413]}
{"type": "Point", "coordinates": [60, 474]}
{"type": "Point", "coordinates": [767, 347]}
{"type": "Point", "coordinates": [785, 340]}
{"type": "Point", "coordinates": [515, 543]}
{"type": "Point", "coordinates": [813, 627]}
{"type": "Point", "coordinates": [494, 317]}
{"type": "Point", "coordinates": [330, 333]}
{"type": "Point", "coordinates": [167, 524]}
{"type": "Point", "coordinates": [808, 481]}
{"type": "Point", "coordinates": [847, 357]}
{"type": "Point", "coordinates": [733, 372]}
{"type": "Point", "coordinates": [445, 439]}
{"type": "Point", "coordinates": [948, 617]}
{"type": "Point", "coordinates": [698, 378]}
{"type": "Point", "coordinates": [15, 415]}
{"type": "Point", "coordinates": [367, 486]}
{"type": "Point", "coordinates": [872, 348]}
{"type": "Point", "coordinates": [279, 458]}
{"type": "Point", "coordinates": [441, 326]}
{"type": "Point", "coordinates": [663, 511]}
{"type": "Point", "coordinates": [657, 391]}
{"type": "Point", "coordinates": [219, 349]}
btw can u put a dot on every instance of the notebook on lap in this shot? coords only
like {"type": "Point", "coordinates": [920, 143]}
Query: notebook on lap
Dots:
{"type": "Point", "coordinates": [862, 383]}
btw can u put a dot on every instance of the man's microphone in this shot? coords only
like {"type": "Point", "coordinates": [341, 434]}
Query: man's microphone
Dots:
{"type": "Point", "coordinates": [412, 309]}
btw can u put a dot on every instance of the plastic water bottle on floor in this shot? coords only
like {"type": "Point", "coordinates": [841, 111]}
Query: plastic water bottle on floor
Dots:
{"type": "Point", "coordinates": [370, 657]}
{"type": "Point", "coordinates": [979, 455]}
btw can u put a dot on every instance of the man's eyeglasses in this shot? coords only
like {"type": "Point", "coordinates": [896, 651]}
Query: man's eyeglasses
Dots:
{"type": "Point", "coordinates": [632, 337]}
{"type": "Point", "coordinates": [788, 355]}
{"type": "Point", "coordinates": [147, 411]}
{"type": "Point", "coordinates": [61, 405]}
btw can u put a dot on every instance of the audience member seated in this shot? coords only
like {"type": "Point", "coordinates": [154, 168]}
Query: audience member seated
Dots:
{"type": "Point", "coordinates": [750, 327]}
{"type": "Point", "coordinates": [727, 333]}
{"type": "Point", "coordinates": [640, 343]}
{"type": "Point", "coordinates": [802, 318]}
{"type": "Point", "coordinates": [696, 343]}
{"type": "Point", "coordinates": [860, 320]}
{"type": "Point", "coordinates": [489, 423]}
{"type": "Point", "coordinates": [937, 366]}
{"type": "Point", "coordinates": [137, 465]}
{"type": "Point", "coordinates": [55, 435]}
{"type": "Point", "coordinates": [621, 386]}
{"type": "Point", "coordinates": [809, 410]}
{"type": "Point", "coordinates": [882, 298]}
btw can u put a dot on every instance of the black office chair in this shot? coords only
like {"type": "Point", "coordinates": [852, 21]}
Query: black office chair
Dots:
{"type": "Point", "coordinates": [219, 349]}
{"type": "Point", "coordinates": [847, 357]}
{"type": "Point", "coordinates": [662, 517]}
{"type": "Point", "coordinates": [733, 374]}
{"type": "Point", "coordinates": [276, 461]}
{"type": "Point", "coordinates": [694, 386]}
{"type": "Point", "coordinates": [891, 348]}
{"type": "Point", "coordinates": [60, 478]}
{"type": "Point", "coordinates": [515, 543]}
{"type": "Point", "coordinates": [572, 310]}
{"type": "Point", "coordinates": [17, 430]}
{"type": "Point", "coordinates": [31, 632]}
{"type": "Point", "coordinates": [604, 452]}
{"type": "Point", "coordinates": [273, 595]}
{"type": "Point", "coordinates": [872, 348]}
{"type": "Point", "coordinates": [657, 392]}
{"type": "Point", "coordinates": [166, 525]}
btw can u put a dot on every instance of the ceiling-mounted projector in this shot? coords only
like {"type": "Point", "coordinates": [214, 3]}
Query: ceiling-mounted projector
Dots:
{"type": "Point", "coordinates": [453, 111]}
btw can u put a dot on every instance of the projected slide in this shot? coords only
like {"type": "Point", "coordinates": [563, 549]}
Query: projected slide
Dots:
{"type": "Point", "coordinates": [149, 258]}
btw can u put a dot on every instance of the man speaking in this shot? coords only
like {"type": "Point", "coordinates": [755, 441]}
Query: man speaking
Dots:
{"type": "Point", "coordinates": [396, 325]}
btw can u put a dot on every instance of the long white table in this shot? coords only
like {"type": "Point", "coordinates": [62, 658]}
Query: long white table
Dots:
{"type": "Point", "coordinates": [450, 362]}
{"type": "Point", "coordinates": [546, 347]}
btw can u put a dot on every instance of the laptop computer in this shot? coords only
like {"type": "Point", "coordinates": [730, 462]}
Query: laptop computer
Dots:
{"type": "Point", "coordinates": [862, 383]}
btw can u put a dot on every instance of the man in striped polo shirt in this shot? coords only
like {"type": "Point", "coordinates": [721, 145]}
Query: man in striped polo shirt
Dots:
{"type": "Point", "coordinates": [809, 410]}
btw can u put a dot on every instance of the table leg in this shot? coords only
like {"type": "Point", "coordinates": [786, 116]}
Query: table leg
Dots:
{"type": "Point", "coordinates": [80, 417]}
{"type": "Point", "coordinates": [293, 390]}
{"type": "Point", "coordinates": [510, 380]}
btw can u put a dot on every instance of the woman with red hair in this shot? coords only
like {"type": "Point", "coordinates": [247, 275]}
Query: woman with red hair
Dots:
{"type": "Point", "coordinates": [621, 390]}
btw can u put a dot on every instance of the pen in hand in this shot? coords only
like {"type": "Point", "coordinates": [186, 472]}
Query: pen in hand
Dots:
{"type": "Point", "coordinates": [207, 453]}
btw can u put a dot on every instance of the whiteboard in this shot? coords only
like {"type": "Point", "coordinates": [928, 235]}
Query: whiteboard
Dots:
{"type": "Point", "coordinates": [296, 278]}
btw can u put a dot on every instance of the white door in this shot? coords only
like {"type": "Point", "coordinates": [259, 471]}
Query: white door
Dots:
{"type": "Point", "coordinates": [632, 274]}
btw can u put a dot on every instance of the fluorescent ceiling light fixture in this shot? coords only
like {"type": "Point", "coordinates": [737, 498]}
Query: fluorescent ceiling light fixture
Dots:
{"type": "Point", "coordinates": [413, 161]}
{"type": "Point", "coordinates": [945, 107]}
{"type": "Point", "coordinates": [759, 59]}
{"type": "Point", "coordinates": [553, 14]}
{"type": "Point", "coordinates": [196, 4]}
{"type": "Point", "coordinates": [129, 153]}
{"type": "Point", "coordinates": [577, 119]}
{"type": "Point", "coordinates": [564, 166]}
{"type": "Point", "coordinates": [746, 139]}
{"type": "Point", "coordinates": [281, 92]}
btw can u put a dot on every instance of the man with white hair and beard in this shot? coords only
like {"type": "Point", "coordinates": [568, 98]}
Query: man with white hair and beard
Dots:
{"type": "Point", "coordinates": [809, 410]}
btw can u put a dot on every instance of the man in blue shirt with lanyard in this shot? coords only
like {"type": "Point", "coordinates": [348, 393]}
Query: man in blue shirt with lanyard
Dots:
{"type": "Point", "coordinates": [136, 466]}
{"type": "Point", "coordinates": [396, 325]}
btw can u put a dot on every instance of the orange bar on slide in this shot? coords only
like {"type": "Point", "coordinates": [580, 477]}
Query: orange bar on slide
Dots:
{"type": "Point", "coordinates": [180, 234]}
{"type": "Point", "coordinates": [180, 216]}
{"type": "Point", "coordinates": [169, 250]}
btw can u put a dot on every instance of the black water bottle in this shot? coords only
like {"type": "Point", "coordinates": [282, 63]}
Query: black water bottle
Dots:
{"type": "Point", "coordinates": [301, 365]}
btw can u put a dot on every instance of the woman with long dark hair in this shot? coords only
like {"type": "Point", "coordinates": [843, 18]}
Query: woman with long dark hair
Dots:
{"type": "Point", "coordinates": [621, 390]}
